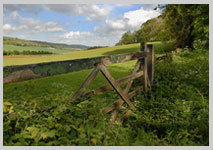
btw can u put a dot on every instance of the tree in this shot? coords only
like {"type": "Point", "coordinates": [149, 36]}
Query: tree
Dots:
{"type": "Point", "coordinates": [187, 22]}
{"type": "Point", "coordinates": [127, 38]}
{"type": "Point", "coordinates": [201, 22]}
{"type": "Point", "coordinates": [152, 30]}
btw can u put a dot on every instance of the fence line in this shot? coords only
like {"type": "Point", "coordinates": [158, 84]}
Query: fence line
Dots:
{"type": "Point", "coordinates": [31, 71]}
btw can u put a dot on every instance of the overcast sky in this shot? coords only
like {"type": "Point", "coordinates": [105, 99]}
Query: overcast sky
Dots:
{"type": "Point", "coordinates": [92, 25]}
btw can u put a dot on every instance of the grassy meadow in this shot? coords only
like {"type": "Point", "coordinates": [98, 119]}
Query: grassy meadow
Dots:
{"type": "Point", "coordinates": [174, 112]}
{"type": "Point", "coordinates": [130, 48]}
{"type": "Point", "coordinates": [37, 48]}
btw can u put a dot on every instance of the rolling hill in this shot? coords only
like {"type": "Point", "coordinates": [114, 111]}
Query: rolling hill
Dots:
{"type": "Point", "coordinates": [21, 42]}
{"type": "Point", "coordinates": [130, 48]}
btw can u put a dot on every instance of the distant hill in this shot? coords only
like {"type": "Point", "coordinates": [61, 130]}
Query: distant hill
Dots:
{"type": "Point", "coordinates": [57, 45]}
{"type": "Point", "coordinates": [21, 42]}
{"type": "Point", "coordinates": [95, 47]}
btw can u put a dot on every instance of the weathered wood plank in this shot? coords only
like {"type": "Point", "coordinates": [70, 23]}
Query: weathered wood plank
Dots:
{"type": "Point", "coordinates": [162, 57]}
{"type": "Point", "coordinates": [115, 85]}
{"type": "Point", "coordinates": [124, 116]}
{"type": "Point", "coordinates": [137, 66]}
{"type": "Point", "coordinates": [86, 82]}
{"type": "Point", "coordinates": [114, 114]}
{"type": "Point", "coordinates": [150, 63]}
{"type": "Point", "coordinates": [108, 86]}
{"type": "Point", "coordinates": [120, 102]}
{"type": "Point", "coordinates": [113, 117]}
{"type": "Point", "coordinates": [144, 49]}
{"type": "Point", "coordinates": [11, 73]}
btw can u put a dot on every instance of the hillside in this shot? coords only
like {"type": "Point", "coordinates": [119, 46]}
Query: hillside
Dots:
{"type": "Point", "coordinates": [24, 59]}
{"type": "Point", "coordinates": [21, 42]}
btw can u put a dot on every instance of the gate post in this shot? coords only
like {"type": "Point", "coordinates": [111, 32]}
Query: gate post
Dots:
{"type": "Point", "coordinates": [150, 63]}
{"type": "Point", "coordinates": [144, 65]}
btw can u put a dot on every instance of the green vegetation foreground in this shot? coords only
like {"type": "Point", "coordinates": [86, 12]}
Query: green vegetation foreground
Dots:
{"type": "Point", "coordinates": [174, 112]}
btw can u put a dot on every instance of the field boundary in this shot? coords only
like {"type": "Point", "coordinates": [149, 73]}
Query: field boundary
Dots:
{"type": "Point", "coordinates": [31, 71]}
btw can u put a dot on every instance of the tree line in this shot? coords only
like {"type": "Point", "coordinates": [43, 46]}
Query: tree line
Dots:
{"type": "Point", "coordinates": [16, 52]}
{"type": "Point", "coordinates": [183, 24]}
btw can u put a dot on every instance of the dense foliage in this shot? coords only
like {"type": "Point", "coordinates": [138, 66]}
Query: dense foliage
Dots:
{"type": "Point", "coordinates": [174, 112]}
{"type": "Point", "coordinates": [182, 24]}
{"type": "Point", "coordinates": [185, 23]}
{"type": "Point", "coordinates": [152, 30]}
{"type": "Point", "coordinates": [127, 38]}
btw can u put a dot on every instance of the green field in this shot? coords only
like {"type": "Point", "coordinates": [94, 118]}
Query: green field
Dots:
{"type": "Point", "coordinates": [36, 48]}
{"type": "Point", "coordinates": [174, 112]}
{"type": "Point", "coordinates": [24, 59]}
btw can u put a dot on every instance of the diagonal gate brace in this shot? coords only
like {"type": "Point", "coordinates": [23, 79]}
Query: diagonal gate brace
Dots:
{"type": "Point", "coordinates": [115, 85]}
{"type": "Point", "coordinates": [117, 107]}
{"type": "Point", "coordinates": [86, 83]}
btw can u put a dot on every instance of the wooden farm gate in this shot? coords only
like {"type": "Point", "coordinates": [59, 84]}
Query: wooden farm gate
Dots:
{"type": "Point", "coordinates": [143, 69]}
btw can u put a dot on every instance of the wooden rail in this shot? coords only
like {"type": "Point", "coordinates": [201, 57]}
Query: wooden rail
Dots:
{"type": "Point", "coordinates": [108, 86]}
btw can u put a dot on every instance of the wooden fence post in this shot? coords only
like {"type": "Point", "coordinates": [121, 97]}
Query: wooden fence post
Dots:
{"type": "Point", "coordinates": [150, 63]}
{"type": "Point", "coordinates": [144, 65]}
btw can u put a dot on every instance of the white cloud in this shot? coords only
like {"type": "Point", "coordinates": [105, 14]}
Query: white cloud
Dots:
{"type": "Point", "coordinates": [29, 25]}
{"type": "Point", "coordinates": [131, 20]}
{"type": "Point", "coordinates": [118, 24]}
{"type": "Point", "coordinates": [76, 34]}
{"type": "Point", "coordinates": [108, 33]}
{"type": "Point", "coordinates": [8, 27]}
{"type": "Point", "coordinates": [137, 17]}
{"type": "Point", "coordinates": [85, 38]}
{"type": "Point", "coordinates": [94, 11]}
{"type": "Point", "coordinates": [13, 16]}
{"type": "Point", "coordinates": [49, 27]}
{"type": "Point", "coordinates": [29, 8]}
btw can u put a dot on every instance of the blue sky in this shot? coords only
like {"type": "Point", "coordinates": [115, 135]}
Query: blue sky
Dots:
{"type": "Point", "coordinates": [100, 25]}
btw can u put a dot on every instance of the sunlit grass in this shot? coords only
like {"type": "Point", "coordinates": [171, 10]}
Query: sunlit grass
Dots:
{"type": "Point", "coordinates": [130, 48]}
{"type": "Point", "coordinates": [37, 48]}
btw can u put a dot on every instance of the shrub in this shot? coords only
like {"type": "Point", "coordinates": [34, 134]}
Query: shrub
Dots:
{"type": "Point", "coordinates": [15, 52]}
{"type": "Point", "coordinates": [4, 52]}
